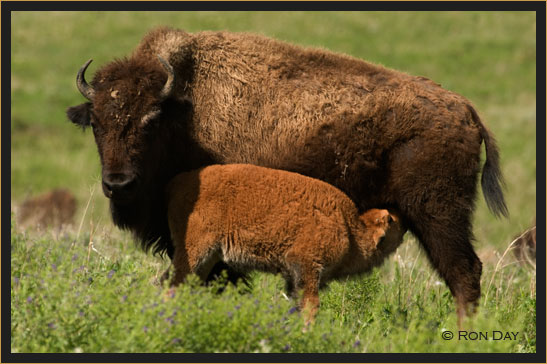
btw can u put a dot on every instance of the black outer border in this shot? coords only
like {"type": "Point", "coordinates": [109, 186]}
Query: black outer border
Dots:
{"type": "Point", "coordinates": [271, 5]}
{"type": "Point", "coordinates": [540, 180]}
{"type": "Point", "coordinates": [7, 7]}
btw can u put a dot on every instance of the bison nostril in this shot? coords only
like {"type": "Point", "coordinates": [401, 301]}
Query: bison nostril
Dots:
{"type": "Point", "coordinates": [107, 189]}
{"type": "Point", "coordinates": [118, 185]}
{"type": "Point", "coordinates": [127, 185]}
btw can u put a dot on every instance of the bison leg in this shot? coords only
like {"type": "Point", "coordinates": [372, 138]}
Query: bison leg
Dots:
{"type": "Point", "coordinates": [306, 276]}
{"type": "Point", "coordinates": [204, 266]}
{"type": "Point", "coordinates": [194, 260]}
{"type": "Point", "coordinates": [310, 295]}
{"type": "Point", "coordinates": [452, 255]}
{"type": "Point", "coordinates": [165, 275]}
{"type": "Point", "coordinates": [193, 256]}
{"type": "Point", "coordinates": [181, 265]}
{"type": "Point", "coordinates": [436, 194]}
{"type": "Point", "coordinates": [445, 234]}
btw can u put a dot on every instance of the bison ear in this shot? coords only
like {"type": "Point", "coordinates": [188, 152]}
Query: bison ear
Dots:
{"type": "Point", "coordinates": [80, 115]}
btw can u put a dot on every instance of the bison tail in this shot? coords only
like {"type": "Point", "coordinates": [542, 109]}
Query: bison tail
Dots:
{"type": "Point", "coordinates": [492, 180]}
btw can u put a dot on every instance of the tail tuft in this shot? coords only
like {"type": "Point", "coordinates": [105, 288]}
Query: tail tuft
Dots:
{"type": "Point", "coordinates": [492, 181]}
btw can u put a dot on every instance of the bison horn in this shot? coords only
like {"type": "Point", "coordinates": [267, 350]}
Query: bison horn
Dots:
{"type": "Point", "coordinates": [86, 90]}
{"type": "Point", "coordinates": [170, 83]}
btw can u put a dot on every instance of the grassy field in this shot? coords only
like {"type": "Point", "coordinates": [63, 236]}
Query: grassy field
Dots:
{"type": "Point", "coordinates": [68, 298]}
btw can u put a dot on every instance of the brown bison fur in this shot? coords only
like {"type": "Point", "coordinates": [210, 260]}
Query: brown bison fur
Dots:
{"type": "Point", "coordinates": [385, 138]}
{"type": "Point", "coordinates": [55, 209]}
{"type": "Point", "coordinates": [524, 246]}
{"type": "Point", "coordinates": [253, 217]}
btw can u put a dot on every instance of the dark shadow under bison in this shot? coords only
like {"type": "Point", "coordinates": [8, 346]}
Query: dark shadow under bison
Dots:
{"type": "Point", "coordinates": [387, 139]}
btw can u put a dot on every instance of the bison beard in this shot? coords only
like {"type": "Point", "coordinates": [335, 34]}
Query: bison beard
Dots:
{"type": "Point", "coordinates": [385, 138]}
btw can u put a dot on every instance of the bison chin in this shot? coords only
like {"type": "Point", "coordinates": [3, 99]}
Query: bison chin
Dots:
{"type": "Point", "coordinates": [144, 218]}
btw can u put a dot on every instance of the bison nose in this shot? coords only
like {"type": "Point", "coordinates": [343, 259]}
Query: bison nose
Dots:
{"type": "Point", "coordinates": [119, 185]}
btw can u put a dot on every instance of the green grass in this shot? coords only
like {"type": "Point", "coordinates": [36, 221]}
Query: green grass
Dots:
{"type": "Point", "coordinates": [68, 298]}
{"type": "Point", "coordinates": [489, 57]}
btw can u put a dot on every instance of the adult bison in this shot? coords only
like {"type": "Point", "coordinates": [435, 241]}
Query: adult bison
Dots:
{"type": "Point", "coordinates": [387, 139]}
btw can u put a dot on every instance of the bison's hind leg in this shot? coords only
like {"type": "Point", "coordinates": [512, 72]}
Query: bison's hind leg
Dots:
{"type": "Point", "coordinates": [457, 263]}
{"type": "Point", "coordinates": [449, 249]}
{"type": "Point", "coordinates": [436, 194]}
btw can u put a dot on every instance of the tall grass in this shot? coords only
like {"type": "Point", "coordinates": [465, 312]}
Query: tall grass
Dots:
{"type": "Point", "coordinates": [61, 302]}
{"type": "Point", "coordinates": [66, 298]}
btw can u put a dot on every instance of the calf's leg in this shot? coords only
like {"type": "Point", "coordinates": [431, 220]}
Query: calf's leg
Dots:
{"type": "Point", "coordinates": [306, 276]}
{"type": "Point", "coordinates": [193, 260]}
{"type": "Point", "coordinates": [182, 266]}
{"type": "Point", "coordinates": [310, 295]}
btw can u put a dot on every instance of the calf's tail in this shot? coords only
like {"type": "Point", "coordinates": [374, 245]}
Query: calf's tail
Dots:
{"type": "Point", "coordinates": [492, 179]}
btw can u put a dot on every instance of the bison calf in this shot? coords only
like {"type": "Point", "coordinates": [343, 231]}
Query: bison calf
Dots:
{"type": "Point", "coordinates": [276, 221]}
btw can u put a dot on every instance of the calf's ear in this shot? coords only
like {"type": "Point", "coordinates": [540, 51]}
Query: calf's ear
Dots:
{"type": "Point", "coordinates": [80, 115]}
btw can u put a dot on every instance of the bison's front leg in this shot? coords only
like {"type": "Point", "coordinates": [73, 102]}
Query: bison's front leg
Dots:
{"type": "Point", "coordinates": [197, 257]}
{"type": "Point", "coordinates": [165, 275]}
{"type": "Point", "coordinates": [182, 267]}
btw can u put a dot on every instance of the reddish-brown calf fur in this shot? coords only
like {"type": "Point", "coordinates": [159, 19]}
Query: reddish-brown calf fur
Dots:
{"type": "Point", "coordinates": [253, 217]}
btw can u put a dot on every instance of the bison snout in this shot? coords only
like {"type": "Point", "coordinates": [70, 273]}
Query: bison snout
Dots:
{"type": "Point", "coordinates": [119, 186]}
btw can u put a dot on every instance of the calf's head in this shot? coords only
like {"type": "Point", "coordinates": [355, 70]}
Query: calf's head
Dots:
{"type": "Point", "coordinates": [128, 100]}
{"type": "Point", "coordinates": [385, 228]}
